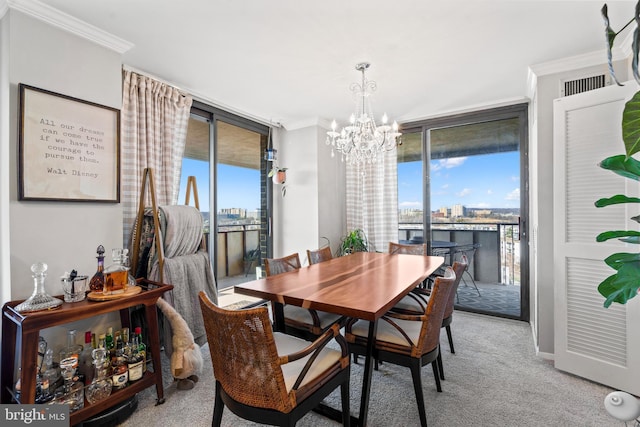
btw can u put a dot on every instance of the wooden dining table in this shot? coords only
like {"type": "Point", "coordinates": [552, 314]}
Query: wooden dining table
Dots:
{"type": "Point", "coordinates": [363, 285]}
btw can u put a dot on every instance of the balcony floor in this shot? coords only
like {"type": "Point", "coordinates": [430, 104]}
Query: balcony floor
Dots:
{"type": "Point", "coordinates": [495, 298]}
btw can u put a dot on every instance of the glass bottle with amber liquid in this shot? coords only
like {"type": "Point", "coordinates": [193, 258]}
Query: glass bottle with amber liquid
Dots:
{"type": "Point", "coordinates": [96, 284]}
{"type": "Point", "coordinates": [116, 275]}
{"type": "Point", "coordinates": [119, 371]}
{"type": "Point", "coordinates": [136, 362]}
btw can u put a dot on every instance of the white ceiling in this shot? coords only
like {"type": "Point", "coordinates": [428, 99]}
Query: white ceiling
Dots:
{"type": "Point", "coordinates": [292, 61]}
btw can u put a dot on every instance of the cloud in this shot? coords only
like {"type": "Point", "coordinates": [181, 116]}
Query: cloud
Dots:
{"type": "Point", "coordinates": [445, 186]}
{"type": "Point", "coordinates": [514, 195]}
{"type": "Point", "coordinates": [465, 192]}
{"type": "Point", "coordinates": [489, 191]}
{"type": "Point", "coordinates": [515, 178]}
{"type": "Point", "coordinates": [447, 163]}
{"type": "Point", "coordinates": [409, 205]}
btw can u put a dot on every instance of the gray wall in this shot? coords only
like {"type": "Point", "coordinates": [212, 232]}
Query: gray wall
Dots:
{"type": "Point", "coordinates": [62, 234]}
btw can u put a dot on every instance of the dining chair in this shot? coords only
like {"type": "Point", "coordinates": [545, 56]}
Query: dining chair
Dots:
{"type": "Point", "coordinates": [469, 251]}
{"type": "Point", "coordinates": [270, 377]}
{"type": "Point", "coordinates": [408, 340]}
{"type": "Point", "coordinates": [418, 303]}
{"type": "Point", "coordinates": [319, 255]}
{"type": "Point", "coordinates": [301, 322]}
{"type": "Point", "coordinates": [411, 249]}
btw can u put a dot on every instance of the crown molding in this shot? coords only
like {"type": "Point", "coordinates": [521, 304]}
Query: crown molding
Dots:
{"type": "Point", "coordinates": [68, 23]}
{"type": "Point", "coordinates": [621, 52]}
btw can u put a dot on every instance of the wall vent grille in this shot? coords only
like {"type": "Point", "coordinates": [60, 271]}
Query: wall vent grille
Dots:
{"type": "Point", "coordinates": [585, 84]}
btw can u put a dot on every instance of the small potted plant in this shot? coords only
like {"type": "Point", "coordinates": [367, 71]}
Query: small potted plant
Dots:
{"type": "Point", "coordinates": [353, 241]}
{"type": "Point", "coordinates": [279, 176]}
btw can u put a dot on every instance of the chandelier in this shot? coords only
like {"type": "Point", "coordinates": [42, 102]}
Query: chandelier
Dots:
{"type": "Point", "coordinates": [362, 141]}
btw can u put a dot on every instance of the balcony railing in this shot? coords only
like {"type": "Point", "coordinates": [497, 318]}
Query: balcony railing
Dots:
{"type": "Point", "coordinates": [497, 260]}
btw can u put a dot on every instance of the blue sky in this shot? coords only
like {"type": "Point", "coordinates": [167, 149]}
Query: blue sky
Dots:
{"type": "Point", "coordinates": [482, 181]}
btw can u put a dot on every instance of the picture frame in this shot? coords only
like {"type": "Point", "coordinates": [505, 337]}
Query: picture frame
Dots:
{"type": "Point", "coordinates": [69, 148]}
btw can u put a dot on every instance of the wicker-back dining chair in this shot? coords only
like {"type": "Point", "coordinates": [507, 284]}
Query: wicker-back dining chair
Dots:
{"type": "Point", "coordinates": [408, 340]}
{"type": "Point", "coordinates": [301, 322]}
{"type": "Point", "coordinates": [399, 248]}
{"type": "Point", "coordinates": [319, 255]}
{"type": "Point", "coordinates": [418, 300]}
{"type": "Point", "coordinates": [270, 377]}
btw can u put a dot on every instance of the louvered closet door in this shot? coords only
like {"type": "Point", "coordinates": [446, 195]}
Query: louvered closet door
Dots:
{"type": "Point", "coordinates": [596, 343]}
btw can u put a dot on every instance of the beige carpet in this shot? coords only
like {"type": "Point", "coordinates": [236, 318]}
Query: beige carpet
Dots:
{"type": "Point", "coordinates": [494, 379]}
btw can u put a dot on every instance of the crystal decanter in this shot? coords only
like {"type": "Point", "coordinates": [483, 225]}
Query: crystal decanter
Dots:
{"type": "Point", "coordinates": [39, 300]}
{"type": "Point", "coordinates": [100, 387]}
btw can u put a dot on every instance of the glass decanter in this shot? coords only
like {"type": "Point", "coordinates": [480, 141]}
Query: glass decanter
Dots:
{"type": "Point", "coordinates": [97, 281]}
{"type": "Point", "coordinates": [100, 387]}
{"type": "Point", "coordinates": [116, 275]}
{"type": "Point", "coordinates": [39, 300]}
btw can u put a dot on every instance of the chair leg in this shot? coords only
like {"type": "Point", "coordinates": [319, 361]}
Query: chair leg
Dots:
{"type": "Point", "coordinates": [346, 411]}
{"type": "Point", "coordinates": [436, 375]}
{"type": "Point", "coordinates": [472, 281]}
{"type": "Point", "coordinates": [440, 365]}
{"type": "Point", "coordinates": [417, 386]}
{"type": "Point", "coordinates": [450, 338]}
{"type": "Point", "coordinates": [217, 408]}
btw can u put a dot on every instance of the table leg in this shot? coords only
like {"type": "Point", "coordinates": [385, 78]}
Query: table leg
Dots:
{"type": "Point", "coordinates": [278, 316]}
{"type": "Point", "coordinates": [368, 372]}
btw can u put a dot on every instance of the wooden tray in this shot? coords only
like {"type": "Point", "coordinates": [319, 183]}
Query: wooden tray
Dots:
{"type": "Point", "coordinates": [99, 296]}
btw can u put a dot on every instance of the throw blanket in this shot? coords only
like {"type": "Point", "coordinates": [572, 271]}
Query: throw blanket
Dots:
{"type": "Point", "coordinates": [189, 274]}
{"type": "Point", "coordinates": [182, 233]}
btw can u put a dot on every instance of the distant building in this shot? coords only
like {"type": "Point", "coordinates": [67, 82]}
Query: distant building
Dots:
{"type": "Point", "coordinates": [233, 212]}
{"type": "Point", "coordinates": [444, 211]}
{"type": "Point", "coordinates": [458, 211]}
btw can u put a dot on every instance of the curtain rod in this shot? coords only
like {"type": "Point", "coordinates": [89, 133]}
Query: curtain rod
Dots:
{"type": "Point", "coordinates": [204, 99]}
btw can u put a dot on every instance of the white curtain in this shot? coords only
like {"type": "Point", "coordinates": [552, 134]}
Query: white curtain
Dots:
{"type": "Point", "coordinates": [154, 121]}
{"type": "Point", "coordinates": [372, 200]}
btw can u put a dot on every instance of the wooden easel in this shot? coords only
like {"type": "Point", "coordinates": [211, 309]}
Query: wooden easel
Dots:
{"type": "Point", "coordinates": [148, 182]}
{"type": "Point", "coordinates": [191, 183]}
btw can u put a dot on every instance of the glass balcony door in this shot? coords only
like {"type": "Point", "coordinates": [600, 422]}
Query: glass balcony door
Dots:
{"type": "Point", "coordinates": [225, 154]}
{"type": "Point", "coordinates": [462, 180]}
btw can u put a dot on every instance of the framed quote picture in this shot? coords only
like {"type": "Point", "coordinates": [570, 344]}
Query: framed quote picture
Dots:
{"type": "Point", "coordinates": [69, 148]}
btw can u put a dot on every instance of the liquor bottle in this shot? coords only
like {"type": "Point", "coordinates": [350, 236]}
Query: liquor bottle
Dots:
{"type": "Point", "coordinates": [86, 360]}
{"type": "Point", "coordinates": [96, 284]}
{"type": "Point", "coordinates": [136, 361]}
{"type": "Point", "coordinates": [119, 371]}
{"type": "Point", "coordinates": [116, 275]}
{"type": "Point", "coordinates": [125, 262]}
{"type": "Point", "coordinates": [142, 348]}
{"type": "Point", "coordinates": [108, 341]}
{"type": "Point", "coordinates": [126, 343]}
{"type": "Point", "coordinates": [100, 387]}
{"type": "Point", "coordinates": [50, 376]}
{"type": "Point", "coordinates": [72, 350]}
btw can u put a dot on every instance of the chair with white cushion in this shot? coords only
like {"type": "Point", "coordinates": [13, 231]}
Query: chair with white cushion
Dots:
{"type": "Point", "coordinates": [270, 377]}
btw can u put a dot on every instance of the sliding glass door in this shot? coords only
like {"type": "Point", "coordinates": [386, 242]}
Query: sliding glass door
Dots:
{"type": "Point", "coordinates": [471, 170]}
{"type": "Point", "coordinates": [225, 154]}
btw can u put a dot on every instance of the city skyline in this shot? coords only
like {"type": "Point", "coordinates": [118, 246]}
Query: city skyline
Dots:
{"type": "Point", "coordinates": [478, 182]}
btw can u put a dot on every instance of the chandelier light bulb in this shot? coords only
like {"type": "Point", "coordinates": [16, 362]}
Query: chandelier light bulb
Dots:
{"type": "Point", "coordinates": [362, 141]}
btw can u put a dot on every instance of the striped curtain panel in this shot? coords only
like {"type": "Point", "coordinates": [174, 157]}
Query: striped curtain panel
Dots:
{"type": "Point", "coordinates": [154, 121]}
{"type": "Point", "coordinates": [372, 200]}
